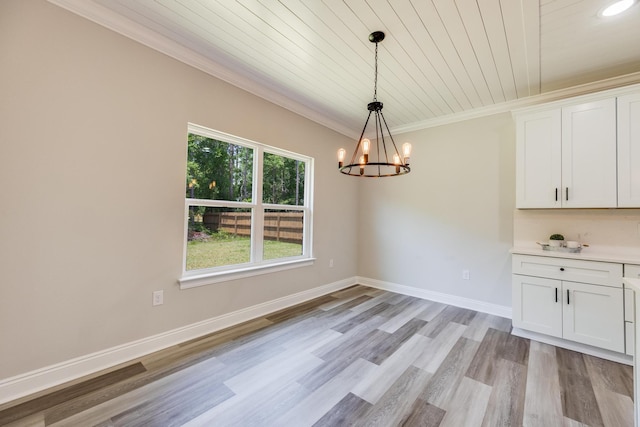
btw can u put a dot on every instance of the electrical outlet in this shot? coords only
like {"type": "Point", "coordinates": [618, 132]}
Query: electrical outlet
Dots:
{"type": "Point", "coordinates": [331, 263]}
{"type": "Point", "coordinates": [465, 274]}
{"type": "Point", "coordinates": [158, 298]}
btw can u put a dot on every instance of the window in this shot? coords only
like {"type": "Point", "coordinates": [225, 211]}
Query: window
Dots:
{"type": "Point", "coordinates": [247, 208]}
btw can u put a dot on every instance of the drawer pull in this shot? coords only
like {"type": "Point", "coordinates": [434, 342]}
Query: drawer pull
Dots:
{"type": "Point", "coordinates": [556, 194]}
{"type": "Point", "coordinates": [567, 296]}
{"type": "Point", "coordinates": [556, 294]}
{"type": "Point", "coordinates": [567, 193]}
{"type": "Point", "coordinates": [561, 268]}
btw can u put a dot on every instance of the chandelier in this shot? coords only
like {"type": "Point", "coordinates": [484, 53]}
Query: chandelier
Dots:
{"type": "Point", "coordinates": [377, 157]}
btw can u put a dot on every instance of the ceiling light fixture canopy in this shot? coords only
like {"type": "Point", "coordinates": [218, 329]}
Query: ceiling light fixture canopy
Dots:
{"type": "Point", "coordinates": [371, 159]}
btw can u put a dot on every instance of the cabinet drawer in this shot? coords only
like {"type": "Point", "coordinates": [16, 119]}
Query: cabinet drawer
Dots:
{"type": "Point", "coordinates": [632, 270]}
{"type": "Point", "coordinates": [573, 270]}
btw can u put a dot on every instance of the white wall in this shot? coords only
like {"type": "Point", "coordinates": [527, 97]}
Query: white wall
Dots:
{"type": "Point", "coordinates": [609, 231]}
{"type": "Point", "coordinates": [454, 211]}
{"type": "Point", "coordinates": [92, 163]}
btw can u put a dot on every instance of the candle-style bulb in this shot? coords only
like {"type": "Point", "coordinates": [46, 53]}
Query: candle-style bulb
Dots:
{"type": "Point", "coordinates": [362, 163]}
{"type": "Point", "coordinates": [396, 161]}
{"type": "Point", "coordinates": [406, 152]}
{"type": "Point", "coordinates": [366, 146]}
{"type": "Point", "coordinates": [342, 153]}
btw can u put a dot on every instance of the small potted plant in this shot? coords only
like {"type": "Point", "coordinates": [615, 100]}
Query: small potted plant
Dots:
{"type": "Point", "coordinates": [556, 240]}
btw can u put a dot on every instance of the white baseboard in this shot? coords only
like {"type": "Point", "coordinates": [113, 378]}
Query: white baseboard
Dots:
{"type": "Point", "coordinates": [471, 304]}
{"type": "Point", "coordinates": [40, 379]}
{"type": "Point", "coordinates": [570, 345]}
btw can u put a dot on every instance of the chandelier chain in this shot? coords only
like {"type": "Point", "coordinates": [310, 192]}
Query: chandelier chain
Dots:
{"type": "Point", "coordinates": [375, 80]}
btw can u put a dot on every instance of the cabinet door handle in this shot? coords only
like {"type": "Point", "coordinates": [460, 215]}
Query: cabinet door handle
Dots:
{"type": "Point", "coordinates": [556, 194]}
{"type": "Point", "coordinates": [567, 296]}
{"type": "Point", "coordinates": [561, 268]}
{"type": "Point", "coordinates": [556, 294]}
{"type": "Point", "coordinates": [567, 193]}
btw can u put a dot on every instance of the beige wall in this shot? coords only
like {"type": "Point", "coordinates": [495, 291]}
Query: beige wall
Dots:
{"type": "Point", "coordinates": [92, 159]}
{"type": "Point", "coordinates": [453, 212]}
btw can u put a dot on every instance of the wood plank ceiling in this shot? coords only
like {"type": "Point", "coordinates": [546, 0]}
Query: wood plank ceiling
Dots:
{"type": "Point", "coordinates": [440, 58]}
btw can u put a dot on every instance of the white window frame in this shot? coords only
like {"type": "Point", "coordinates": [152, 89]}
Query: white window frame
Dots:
{"type": "Point", "coordinates": [256, 265]}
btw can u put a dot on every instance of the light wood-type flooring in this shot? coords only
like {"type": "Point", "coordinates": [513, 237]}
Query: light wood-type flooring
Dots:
{"type": "Point", "coordinates": [360, 357]}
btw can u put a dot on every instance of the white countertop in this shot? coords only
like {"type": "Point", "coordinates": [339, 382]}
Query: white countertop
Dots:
{"type": "Point", "coordinates": [606, 254]}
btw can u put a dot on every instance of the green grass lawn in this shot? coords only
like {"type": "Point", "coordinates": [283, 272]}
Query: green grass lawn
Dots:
{"type": "Point", "coordinates": [233, 250]}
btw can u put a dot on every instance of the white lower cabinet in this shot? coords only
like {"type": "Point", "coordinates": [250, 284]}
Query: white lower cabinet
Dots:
{"type": "Point", "coordinates": [633, 271]}
{"type": "Point", "coordinates": [629, 337]}
{"type": "Point", "coordinates": [588, 313]}
{"type": "Point", "coordinates": [537, 304]}
{"type": "Point", "coordinates": [592, 314]}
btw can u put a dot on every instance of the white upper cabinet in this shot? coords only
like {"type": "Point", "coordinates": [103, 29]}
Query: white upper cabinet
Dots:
{"type": "Point", "coordinates": [580, 153]}
{"type": "Point", "coordinates": [589, 155]}
{"type": "Point", "coordinates": [629, 150]}
{"type": "Point", "coordinates": [566, 157]}
{"type": "Point", "coordinates": [538, 159]}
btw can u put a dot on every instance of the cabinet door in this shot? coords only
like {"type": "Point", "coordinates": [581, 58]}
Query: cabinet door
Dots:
{"type": "Point", "coordinates": [629, 331]}
{"type": "Point", "coordinates": [589, 155]}
{"type": "Point", "coordinates": [593, 315]}
{"type": "Point", "coordinates": [538, 160]}
{"type": "Point", "coordinates": [632, 270]}
{"type": "Point", "coordinates": [537, 304]}
{"type": "Point", "coordinates": [629, 151]}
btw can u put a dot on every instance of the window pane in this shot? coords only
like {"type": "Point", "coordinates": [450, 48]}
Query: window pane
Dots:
{"type": "Point", "coordinates": [218, 170]}
{"type": "Point", "coordinates": [283, 180]}
{"type": "Point", "coordinates": [217, 237]}
{"type": "Point", "coordinates": [282, 233]}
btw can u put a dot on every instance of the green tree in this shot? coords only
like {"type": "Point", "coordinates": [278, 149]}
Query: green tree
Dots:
{"type": "Point", "coordinates": [218, 170]}
{"type": "Point", "coordinates": [283, 180]}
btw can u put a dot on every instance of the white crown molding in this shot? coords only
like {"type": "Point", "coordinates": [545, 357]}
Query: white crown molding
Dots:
{"type": "Point", "coordinates": [264, 89]}
{"type": "Point", "coordinates": [471, 304]}
{"type": "Point", "coordinates": [505, 107]}
{"type": "Point", "coordinates": [588, 97]}
{"type": "Point", "coordinates": [41, 379]}
{"type": "Point", "coordinates": [249, 82]}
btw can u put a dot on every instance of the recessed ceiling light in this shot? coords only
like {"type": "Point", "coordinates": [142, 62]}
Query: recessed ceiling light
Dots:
{"type": "Point", "coordinates": [617, 8]}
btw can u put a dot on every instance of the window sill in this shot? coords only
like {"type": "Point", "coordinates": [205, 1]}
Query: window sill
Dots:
{"type": "Point", "coordinates": [193, 281]}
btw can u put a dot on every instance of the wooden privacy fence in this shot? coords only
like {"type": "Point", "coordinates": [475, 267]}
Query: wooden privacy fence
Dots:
{"type": "Point", "coordinates": [278, 226]}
